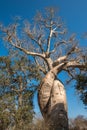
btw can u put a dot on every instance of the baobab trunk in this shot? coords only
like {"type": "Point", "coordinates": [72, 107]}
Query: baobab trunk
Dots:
{"type": "Point", "coordinates": [52, 102]}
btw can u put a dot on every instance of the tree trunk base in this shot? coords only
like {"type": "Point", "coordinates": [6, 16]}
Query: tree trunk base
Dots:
{"type": "Point", "coordinates": [53, 105]}
{"type": "Point", "coordinates": [57, 119]}
{"type": "Point", "coordinates": [57, 114]}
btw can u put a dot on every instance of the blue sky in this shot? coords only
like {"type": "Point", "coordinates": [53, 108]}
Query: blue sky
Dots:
{"type": "Point", "coordinates": [74, 14]}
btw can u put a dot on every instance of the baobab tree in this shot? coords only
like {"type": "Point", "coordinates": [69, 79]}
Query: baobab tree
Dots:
{"type": "Point", "coordinates": [54, 51]}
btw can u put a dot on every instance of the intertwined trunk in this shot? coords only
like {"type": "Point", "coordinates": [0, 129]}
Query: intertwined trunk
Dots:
{"type": "Point", "coordinates": [52, 102]}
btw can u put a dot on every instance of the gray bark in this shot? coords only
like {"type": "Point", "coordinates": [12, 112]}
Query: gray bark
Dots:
{"type": "Point", "coordinates": [52, 102]}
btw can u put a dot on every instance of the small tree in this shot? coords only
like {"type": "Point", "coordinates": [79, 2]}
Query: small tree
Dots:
{"type": "Point", "coordinates": [81, 86]}
{"type": "Point", "coordinates": [53, 52]}
{"type": "Point", "coordinates": [16, 94]}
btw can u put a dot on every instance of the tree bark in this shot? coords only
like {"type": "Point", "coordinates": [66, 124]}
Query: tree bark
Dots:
{"type": "Point", "coordinates": [52, 102]}
{"type": "Point", "coordinates": [20, 101]}
{"type": "Point", "coordinates": [20, 98]}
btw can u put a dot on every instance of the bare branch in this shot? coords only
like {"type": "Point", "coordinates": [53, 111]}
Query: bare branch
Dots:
{"type": "Point", "coordinates": [70, 73]}
{"type": "Point", "coordinates": [62, 32]}
{"type": "Point", "coordinates": [28, 52]}
{"type": "Point", "coordinates": [53, 31]}
{"type": "Point", "coordinates": [73, 49]}
{"type": "Point", "coordinates": [60, 43]}
{"type": "Point", "coordinates": [15, 90]}
{"type": "Point", "coordinates": [59, 60]}
{"type": "Point", "coordinates": [67, 64]}
{"type": "Point", "coordinates": [59, 67]}
{"type": "Point", "coordinates": [53, 51]}
{"type": "Point", "coordinates": [40, 67]}
{"type": "Point", "coordinates": [75, 64]}
{"type": "Point", "coordinates": [49, 39]}
{"type": "Point", "coordinates": [37, 41]}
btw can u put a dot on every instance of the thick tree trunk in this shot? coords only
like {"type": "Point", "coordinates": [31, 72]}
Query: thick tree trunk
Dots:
{"type": "Point", "coordinates": [52, 102]}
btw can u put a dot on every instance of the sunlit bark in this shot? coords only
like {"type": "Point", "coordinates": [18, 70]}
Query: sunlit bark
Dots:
{"type": "Point", "coordinates": [52, 102]}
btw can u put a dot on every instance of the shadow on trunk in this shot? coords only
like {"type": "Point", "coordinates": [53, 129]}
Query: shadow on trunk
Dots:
{"type": "Point", "coordinates": [57, 118]}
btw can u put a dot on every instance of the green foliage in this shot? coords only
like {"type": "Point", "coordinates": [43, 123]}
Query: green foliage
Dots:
{"type": "Point", "coordinates": [81, 86]}
{"type": "Point", "coordinates": [7, 107]}
{"type": "Point", "coordinates": [18, 79]}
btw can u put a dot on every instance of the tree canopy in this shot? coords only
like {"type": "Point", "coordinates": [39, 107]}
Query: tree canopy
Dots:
{"type": "Point", "coordinates": [16, 92]}
{"type": "Point", "coordinates": [47, 40]}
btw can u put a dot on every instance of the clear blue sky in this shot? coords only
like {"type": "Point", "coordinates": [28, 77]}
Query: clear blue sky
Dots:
{"type": "Point", "coordinates": [74, 13]}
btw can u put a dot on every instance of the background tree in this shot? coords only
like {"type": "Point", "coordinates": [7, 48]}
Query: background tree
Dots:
{"type": "Point", "coordinates": [81, 80]}
{"type": "Point", "coordinates": [16, 92]}
{"type": "Point", "coordinates": [79, 123]}
{"type": "Point", "coordinates": [81, 86]}
{"type": "Point", "coordinates": [53, 52]}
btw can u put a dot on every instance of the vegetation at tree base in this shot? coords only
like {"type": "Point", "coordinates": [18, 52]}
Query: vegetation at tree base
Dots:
{"type": "Point", "coordinates": [79, 123]}
{"type": "Point", "coordinates": [16, 92]}
{"type": "Point", "coordinates": [54, 51]}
